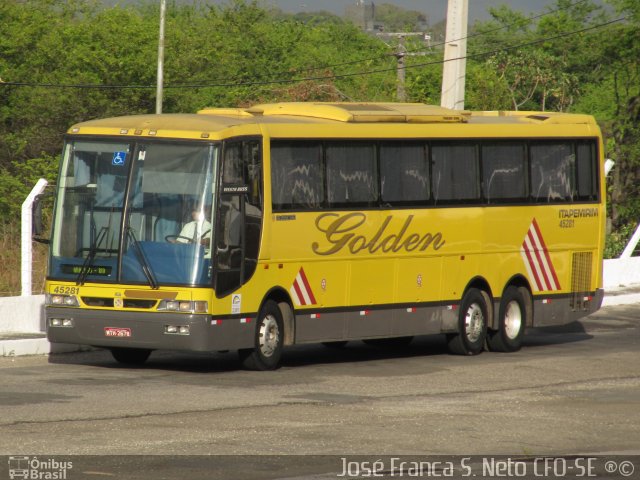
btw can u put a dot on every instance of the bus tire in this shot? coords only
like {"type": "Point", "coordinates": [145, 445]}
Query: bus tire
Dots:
{"type": "Point", "coordinates": [511, 322]}
{"type": "Point", "coordinates": [472, 325]}
{"type": "Point", "coordinates": [130, 356]}
{"type": "Point", "coordinates": [269, 340]}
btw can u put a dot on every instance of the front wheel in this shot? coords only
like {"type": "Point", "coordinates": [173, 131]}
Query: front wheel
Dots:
{"type": "Point", "coordinates": [513, 319]}
{"type": "Point", "coordinates": [130, 356]}
{"type": "Point", "coordinates": [269, 338]}
{"type": "Point", "coordinates": [472, 325]}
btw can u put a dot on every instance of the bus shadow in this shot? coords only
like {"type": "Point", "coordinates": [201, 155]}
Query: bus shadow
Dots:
{"type": "Point", "coordinates": [293, 356]}
{"type": "Point", "coordinates": [357, 351]}
{"type": "Point", "coordinates": [556, 335]}
{"type": "Point", "coordinates": [316, 354]}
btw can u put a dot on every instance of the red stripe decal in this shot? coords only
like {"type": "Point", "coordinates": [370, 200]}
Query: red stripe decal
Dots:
{"type": "Point", "coordinates": [534, 270]}
{"type": "Point", "coordinates": [543, 270]}
{"type": "Point", "coordinates": [538, 260]}
{"type": "Point", "coordinates": [296, 287]}
{"type": "Point", "coordinates": [546, 253]}
{"type": "Point", "coordinates": [301, 290]}
{"type": "Point", "coordinates": [307, 287]}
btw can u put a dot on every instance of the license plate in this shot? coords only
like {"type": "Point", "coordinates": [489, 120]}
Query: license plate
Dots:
{"type": "Point", "coordinates": [117, 332]}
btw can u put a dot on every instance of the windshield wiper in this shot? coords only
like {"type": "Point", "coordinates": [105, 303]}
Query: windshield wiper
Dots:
{"type": "Point", "coordinates": [88, 262]}
{"type": "Point", "coordinates": [146, 267]}
{"type": "Point", "coordinates": [93, 249]}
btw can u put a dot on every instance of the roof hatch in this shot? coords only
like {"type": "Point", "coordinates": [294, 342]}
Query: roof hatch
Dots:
{"type": "Point", "coordinates": [354, 112]}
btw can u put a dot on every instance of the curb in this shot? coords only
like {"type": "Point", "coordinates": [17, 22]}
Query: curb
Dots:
{"type": "Point", "coordinates": [17, 347]}
{"type": "Point", "coordinates": [615, 300]}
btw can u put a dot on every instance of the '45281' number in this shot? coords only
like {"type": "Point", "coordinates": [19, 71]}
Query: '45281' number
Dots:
{"type": "Point", "coordinates": [65, 290]}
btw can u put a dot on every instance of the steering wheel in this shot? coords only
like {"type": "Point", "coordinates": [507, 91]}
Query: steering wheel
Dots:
{"type": "Point", "coordinates": [173, 238]}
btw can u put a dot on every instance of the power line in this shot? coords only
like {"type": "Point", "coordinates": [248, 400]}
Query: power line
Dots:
{"type": "Point", "coordinates": [477, 34]}
{"type": "Point", "coordinates": [314, 78]}
{"type": "Point", "coordinates": [295, 71]}
{"type": "Point", "coordinates": [528, 20]}
{"type": "Point", "coordinates": [497, 29]}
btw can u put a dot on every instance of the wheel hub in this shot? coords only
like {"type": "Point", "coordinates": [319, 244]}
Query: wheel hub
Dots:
{"type": "Point", "coordinates": [474, 323]}
{"type": "Point", "coordinates": [512, 320]}
{"type": "Point", "coordinates": [269, 336]}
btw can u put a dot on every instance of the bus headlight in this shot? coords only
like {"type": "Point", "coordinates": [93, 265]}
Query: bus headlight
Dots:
{"type": "Point", "coordinates": [64, 300]}
{"type": "Point", "coordinates": [183, 306]}
{"type": "Point", "coordinates": [61, 322]}
{"type": "Point", "coordinates": [169, 305]}
{"type": "Point", "coordinates": [177, 329]}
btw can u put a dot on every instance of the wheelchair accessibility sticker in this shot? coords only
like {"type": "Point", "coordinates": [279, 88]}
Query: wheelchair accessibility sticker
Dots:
{"type": "Point", "coordinates": [119, 158]}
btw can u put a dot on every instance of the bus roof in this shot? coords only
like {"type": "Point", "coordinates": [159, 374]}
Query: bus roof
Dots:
{"type": "Point", "coordinates": [215, 122]}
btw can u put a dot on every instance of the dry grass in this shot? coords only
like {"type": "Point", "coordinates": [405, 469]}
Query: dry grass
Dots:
{"type": "Point", "coordinates": [10, 262]}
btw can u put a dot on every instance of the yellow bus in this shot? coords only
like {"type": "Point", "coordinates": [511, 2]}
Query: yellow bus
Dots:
{"type": "Point", "coordinates": [257, 228]}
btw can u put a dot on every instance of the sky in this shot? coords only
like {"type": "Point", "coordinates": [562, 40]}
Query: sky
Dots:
{"type": "Point", "coordinates": [435, 9]}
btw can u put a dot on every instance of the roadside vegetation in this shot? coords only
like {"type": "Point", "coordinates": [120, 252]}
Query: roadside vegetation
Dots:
{"type": "Point", "coordinates": [65, 62]}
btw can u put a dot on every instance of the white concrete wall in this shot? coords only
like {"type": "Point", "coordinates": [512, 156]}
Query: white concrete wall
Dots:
{"type": "Point", "coordinates": [22, 328]}
{"type": "Point", "coordinates": [621, 272]}
{"type": "Point", "coordinates": [22, 314]}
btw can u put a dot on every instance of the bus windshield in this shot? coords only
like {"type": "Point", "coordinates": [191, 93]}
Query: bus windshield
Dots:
{"type": "Point", "coordinates": [136, 213]}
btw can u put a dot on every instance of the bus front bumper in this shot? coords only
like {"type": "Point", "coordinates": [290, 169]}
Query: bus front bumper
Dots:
{"type": "Point", "coordinates": [149, 330]}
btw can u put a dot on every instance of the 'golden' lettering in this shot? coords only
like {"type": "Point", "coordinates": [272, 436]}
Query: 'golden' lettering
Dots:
{"type": "Point", "coordinates": [341, 232]}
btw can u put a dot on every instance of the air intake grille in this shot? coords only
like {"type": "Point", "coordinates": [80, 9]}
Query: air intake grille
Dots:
{"type": "Point", "coordinates": [581, 279]}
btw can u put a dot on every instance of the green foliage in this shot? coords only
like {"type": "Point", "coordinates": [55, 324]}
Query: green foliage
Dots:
{"type": "Point", "coordinates": [616, 242]}
{"type": "Point", "coordinates": [241, 53]}
{"type": "Point", "coordinates": [17, 180]}
{"type": "Point", "coordinates": [317, 18]}
{"type": "Point", "coordinates": [236, 52]}
{"type": "Point", "coordinates": [396, 19]}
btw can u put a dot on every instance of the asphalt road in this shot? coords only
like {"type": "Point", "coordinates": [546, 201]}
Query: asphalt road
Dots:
{"type": "Point", "coordinates": [573, 390]}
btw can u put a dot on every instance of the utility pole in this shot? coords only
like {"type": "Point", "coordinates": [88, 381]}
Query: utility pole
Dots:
{"type": "Point", "coordinates": [455, 51]}
{"type": "Point", "coordinates": [401, 93]}
{"type": "Point", "coordinates": [163, 11]}
{"type": "Point", "coordinates": [400, 54]}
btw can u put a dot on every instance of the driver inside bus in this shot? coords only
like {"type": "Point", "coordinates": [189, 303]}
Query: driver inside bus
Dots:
{"type": "Point", "coordinates": [198, 230]}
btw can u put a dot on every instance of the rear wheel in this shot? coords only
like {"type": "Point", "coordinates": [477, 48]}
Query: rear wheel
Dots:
{"type": "Point", "coordinates": [269, 338]}
{"type": "Point", "coordinates": [130, 356]}
{"type": "Point", "coordinates": [513, 319]}
{"type": "Point", "coordinates": [472, 325]}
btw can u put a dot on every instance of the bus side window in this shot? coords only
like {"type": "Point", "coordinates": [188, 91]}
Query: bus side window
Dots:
{"type": "Point", "coordinates": [587, 174]}
{"type": "Point", "coordinates": [552, 172]}
{"type": "Point", "coordinates": [297, 175]}
{"type": "Point", "coordinates": [504, 172]}
{"type": "Point", "coordinates": [455, 173]}
{"type": "Point", "coordinates": [352, 178]}
{"type": "Point", "coordinates": [404, 172]}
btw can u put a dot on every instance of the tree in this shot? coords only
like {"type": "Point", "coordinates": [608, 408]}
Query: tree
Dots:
{"type": "Point", "coordinates": [622, 53]}
{"type": "Point", "coordinates": [538, 63]}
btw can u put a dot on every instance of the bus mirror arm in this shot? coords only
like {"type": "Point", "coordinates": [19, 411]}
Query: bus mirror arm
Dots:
{"type": "Point", "coordinates": [37, 223]}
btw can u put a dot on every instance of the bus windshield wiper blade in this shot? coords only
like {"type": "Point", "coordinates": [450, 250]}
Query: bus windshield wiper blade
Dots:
{"type": "Point", "coordinates": [146, 267]}
{"type": "Point", "coordinates": [88, 262]}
